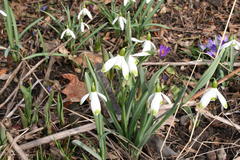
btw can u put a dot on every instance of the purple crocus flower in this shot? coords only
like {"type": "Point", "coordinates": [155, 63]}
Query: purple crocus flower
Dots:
{"type": "Point", "coordinates": [212, 45]}
{"type": "Point", "coordinates": [164, 50]}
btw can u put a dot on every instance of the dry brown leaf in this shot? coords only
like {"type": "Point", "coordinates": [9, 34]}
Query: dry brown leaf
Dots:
{"type": "Point", "coordinates": [94, 58]}
{"type": "Point", "coordinates": [63, 50]}
{"type": "Point", "coordinates": [3, 74]}
{"type": "Point", "coordinates": [3, 71]}
{"type": "Point", "coordinates": [75, 89]}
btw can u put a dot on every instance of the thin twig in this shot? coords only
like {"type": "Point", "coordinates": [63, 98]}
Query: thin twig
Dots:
{"type": "Point", "coordinates": [223, 120]}
{"type": "Point", "coordinates": [190, 63]}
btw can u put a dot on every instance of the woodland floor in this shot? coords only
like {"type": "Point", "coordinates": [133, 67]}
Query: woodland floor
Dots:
{"type": "Point", "coordinates": [190, 23]}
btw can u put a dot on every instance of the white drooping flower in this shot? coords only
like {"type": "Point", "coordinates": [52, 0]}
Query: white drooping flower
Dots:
{"type": "Point", "coordinates": [120, 63]}
{"type": "Point", "coordinates": [121, 20]}
{"type": "Point", "coordinates": [147, 44]}
{"type": "Point", "coordinates": [68, 32]}
{"type": "Point", "coordinates": [233, 43]}
{"type": "Point", "coordinates": [3, 13]}
{"type": "Point", "coordinates": [212, 94]}
{"type": "Point", "coordinates": [85, 12]}
{"type": "Point", "coordinates": [95, 102]}
{"type": "Point", "coordinates": [156, 100]}
{"type": "Point", "coordinates": [82, 26]}
{"type": "Point", "coordinates": [125, 2]}
{"type": "Point", "coordinates": [132, 62]}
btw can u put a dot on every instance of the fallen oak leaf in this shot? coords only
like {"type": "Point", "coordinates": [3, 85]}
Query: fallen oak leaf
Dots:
{"type": "Point", "coordinates": [75, 89]}
{"type": "Point", "coordinates": [94, 58]}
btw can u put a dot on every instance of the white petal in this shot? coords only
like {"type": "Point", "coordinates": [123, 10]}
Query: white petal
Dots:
{"type": "Point", "coordinates": [3, 13]}
{"type": "Point", "coordinates": [153, 45]}
{"type": "Point", "coordinates": [122, 22]}
{"type": "Point", "coordinates": [95, 103]}
{"type": "Point", "coordinates": [147, 46]}
{"type": "Point", "coordinates": [88, 13]}
{"type": "Point", "coordinates": [79, 15]}
{"type": "Point", "coordinates": [63, 33]}
{"type": "Point", "coordinates": [70, 32]}
{"type": "Point", "coordinates": [86, 25]}
{"type": "Point", "coordinates": [115, 20]}
{"type": "Point", "coordinates": [82, 27]}
{"type": "Point", "coordinates": [137, 40]}
{"type": "Point", "coordinates": [235, 44]}
{"type": "Point", "coordinates": [141, 54]}
{"type": "Point", "coordinates": [125, 2]}
{"type": "Point", "coordinates": [102, 96]}
{"type": "Point", "coordinates": [119, 60]}
{"type": "Point", "coordinates": [156, 102]}
{"type": "Point", "coordinates": [125, 69]}
{"type": "Point", "coordinates": [166, 98]}
{"type": "Point", "coordinates": [222, 100]}
{"type": "Point", "coordinates": [207, 97]}
{"type": "Point", "coordinates": [109, 64]}
{"type": "Point", "coordinates": [226, 45]}
{"type": "Point", "coordinates": [132, 64]}
{"type": "Point", "coordinates": [84, 12]}
{"type": "Point", "coordinates": [84, 99]}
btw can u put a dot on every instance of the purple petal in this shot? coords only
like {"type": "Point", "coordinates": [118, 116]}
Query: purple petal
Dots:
{"type": "Point", "coordinates": [211, 53]}
{"type": "Point", "coordinates": [43, 8]}
{"type": "Point", "coordinates": [210, 43]}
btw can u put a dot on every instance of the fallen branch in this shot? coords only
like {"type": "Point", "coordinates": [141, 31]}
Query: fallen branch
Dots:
{"type": "Point", "coordinates": [57, 136]}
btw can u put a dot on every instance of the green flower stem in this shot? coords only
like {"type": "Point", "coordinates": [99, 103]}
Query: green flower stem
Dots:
{"type": "Point", "coordinates": [147, 123]}
{"type": "Point", "coordinates": [100, 130]}
{"type": "Point", "coordinates": [124, 119]}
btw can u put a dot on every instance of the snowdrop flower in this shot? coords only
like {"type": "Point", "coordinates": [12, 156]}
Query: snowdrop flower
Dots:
{"type": "Point", "coordinates": [3, 13]}
{"type": "Point", "coordinates": [121, 20]}
{"type": "Point", "coordinates": [119, 62]}
{"type": "Point", "coordinates": [125, 2]}
{"type": "Point", "coordinates": [95, 102]}
{"type": "Point", "coordinates": [155, 100]}
{"type": "Point", "coordinates": [147, 44]}
{"type": "Point", "coordinates": [83, 25]}
{"type": "Point", "coordinates": [212, 94]}
{"type": "Point", "coordinates": [233, 43]}
{"type": "Point", "coordinates": [68, 32]}
{"type": "Point", "coordinates": [132, 62]}
{"type": "Point", "coordinates": [84, 12]}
